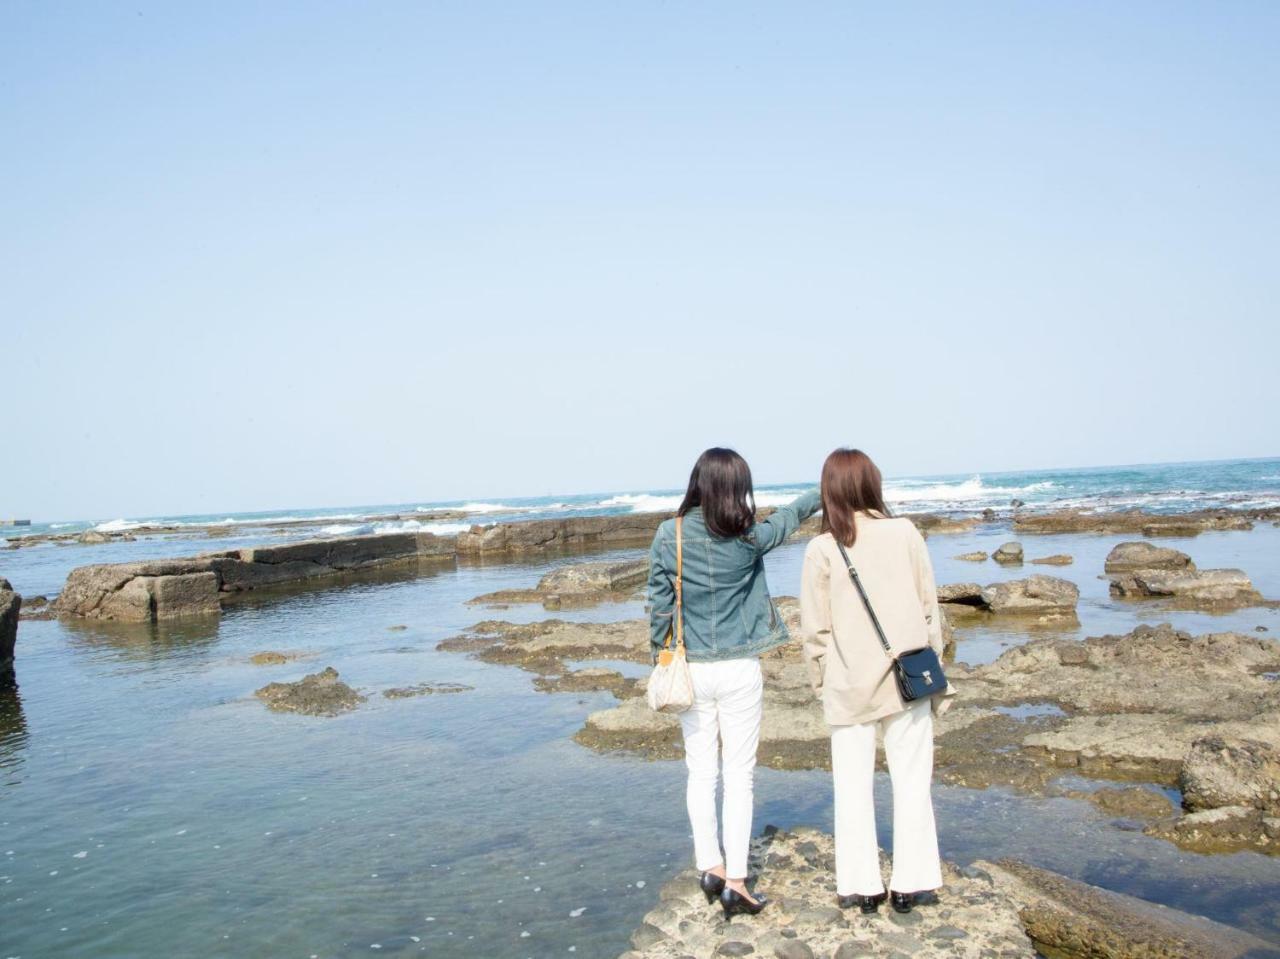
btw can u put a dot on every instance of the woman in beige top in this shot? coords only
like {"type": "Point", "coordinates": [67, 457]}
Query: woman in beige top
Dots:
{"type": "Point", "coordinates": [853, 675]}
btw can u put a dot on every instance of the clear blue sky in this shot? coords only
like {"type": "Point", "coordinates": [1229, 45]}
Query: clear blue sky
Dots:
{"type": "Point", "coordinates": [259, 255]}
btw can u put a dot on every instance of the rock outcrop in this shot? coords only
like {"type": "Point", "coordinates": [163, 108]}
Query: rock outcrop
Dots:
{"type": "Point", "coordinates": [974, 557]}
{"type": "Point", "coordinates": [1188, 587]}
{"type": "Point", "coordinates": [556, 534]}
{"type": "Point", "coordinates": [1057, 559]}
{"type": "Point", "coordinates": [1130, 556]}
{"type": "Point", "coordinates": [967, 918]}
{"type": "Point", "coordinates": [317, 694]}
{"type": "Point", "coordinates": [1010, 554]}
{"type": "Point", "coordinates": [195, 586]}
{"type": "Point", "coordinates": [1065, 917]}
{"type": "Point", "coordinates": [1045, 597]}
{"type": "Point", "coordinates": [10, 611]}
{"type": "Point", "coordinates": [577, 585]}
{"type": "Point", "coordinates": [1135, 521]}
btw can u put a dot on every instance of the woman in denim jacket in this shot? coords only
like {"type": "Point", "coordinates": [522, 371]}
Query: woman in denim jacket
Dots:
{"type": "Point", "coordinates": [729, 620]}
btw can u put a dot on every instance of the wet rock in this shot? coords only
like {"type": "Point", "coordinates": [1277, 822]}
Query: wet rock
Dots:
{"type": "Point", "coordinates": [140, 592]}
{"type": "Point", "coordinates": [317, 694]}
{"type": "Point", "coordinates": [1221, 830]}
{"type": "Point", "coordinates": [1016, 503]}
{"type": "Point", "coordinates": [10, 611]}
{"type": "Point", "coordinates": [974, 557]}
{"type": "Point", "coordinates": [39, 602]}
{"type": "Point", "coordinates": [1010, 554]}
{"type": "Point", "coordinates": [1192, 587]}
{"type": "Point", "coordinates": [802, 921]}
{"type": "Point", "coordinates": [591, 679]}
{"type": "Point", "coordinates": [1240, 772]}
{"type": "Point", "coordinates": [1036, 595]}
{"type": "Point", "coordinates": [961, 594]}
{"type": "Point", "coordinates": [1065, 917]}
{"type": "Point", "coordinates": [1057, 559]}
{"type": "Point", "coordinates": [1127, 557]}
{"type": "Point", "coordinates": [576, 586]}
{"type": "Point", "coordinates": [426, 689]}
{"type": "Point", "coordinates": [544, 646]}
{"type": "Point", "coordinates": [92, 537]}
{"type": "Point", "coordinates": [1132, 802]}
{"type": "Point", "coordinates": [929, 523]}
{"type": "Point", "coordinates": [1042, 596]}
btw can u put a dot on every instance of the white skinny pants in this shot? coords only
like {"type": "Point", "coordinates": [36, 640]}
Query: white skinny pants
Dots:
{"type": "Point", "coordinates": [908, 747]}
{"type": "Point", "coordinates": [722, 726]}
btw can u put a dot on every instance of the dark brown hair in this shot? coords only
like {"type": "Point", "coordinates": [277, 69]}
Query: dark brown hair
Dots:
{"type": "Point", "coordinates": [721, 484]}
{"type": "Point", "coordinates": [850, 484]}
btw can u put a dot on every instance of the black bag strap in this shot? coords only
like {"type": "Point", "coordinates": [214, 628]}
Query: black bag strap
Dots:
{"type": "Point", "coordinates": [853, 575]}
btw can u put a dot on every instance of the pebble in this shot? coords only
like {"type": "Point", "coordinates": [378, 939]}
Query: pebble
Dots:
{"type": "Point", "coordinates": [735, 947]}
{"type": "Point", "coordinates": [793, 949]}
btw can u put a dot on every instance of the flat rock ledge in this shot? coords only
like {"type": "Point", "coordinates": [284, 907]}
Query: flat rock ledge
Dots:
{"type": "Point", "coordinates": [968, 918]}
{"type": "Point", "coordinates": [1193, 588]}
{"type": "Point", "coordinates": [577, 585]}
{"type": "Point", "coordinates": [1068, 918]}
{"type": "Point", "coordinates": [1155, 706]}
{"type": "Point", "coordinates": [426, 689]}
{"type": "Point", "coordinates": [317, 694]}
{"type": "Point", "coordinates": [1139, 522]}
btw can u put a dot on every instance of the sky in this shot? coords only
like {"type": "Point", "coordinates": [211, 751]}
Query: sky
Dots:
{"type": "Point", "coordinates": [257, 256]}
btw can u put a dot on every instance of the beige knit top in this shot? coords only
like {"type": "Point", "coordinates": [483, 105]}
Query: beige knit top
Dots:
{"type": "Point", "coordinates": [848, 667]}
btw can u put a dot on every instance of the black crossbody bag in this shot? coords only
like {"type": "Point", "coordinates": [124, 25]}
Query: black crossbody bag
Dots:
{"type": "Point", "coordinates": [918, 671]}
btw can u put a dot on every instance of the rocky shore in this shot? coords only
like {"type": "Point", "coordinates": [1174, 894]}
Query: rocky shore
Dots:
{"type": "Point", "coordinates": [1155, 706]}
{"type": "Point", "coordinates": [998, 910]}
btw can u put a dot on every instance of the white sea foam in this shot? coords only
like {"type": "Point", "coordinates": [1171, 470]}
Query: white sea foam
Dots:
{"type": "Point", "coordinates": [61, 525]}
{"type": "Point", "coordinates": [968, 491]}
{"type": "Point", "coordinates": [483, 508]}
{"type": "Point", "coordinates": [399, 526]}
{"type": "Point", "coordinates": [644, 502]}
{"type": "Point", "coordinates": [120, 526]}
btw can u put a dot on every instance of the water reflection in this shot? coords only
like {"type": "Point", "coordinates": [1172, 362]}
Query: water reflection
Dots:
{"type": "Point", "coordinates": [13, 732]}
{"type": "Point", "coordinates": [166, 641]}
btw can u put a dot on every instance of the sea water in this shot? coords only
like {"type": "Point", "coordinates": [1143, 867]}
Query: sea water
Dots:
{"type": "Point", "coordinates": [150, 806]}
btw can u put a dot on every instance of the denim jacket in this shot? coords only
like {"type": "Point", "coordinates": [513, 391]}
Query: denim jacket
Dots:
{"type": "Point", "coordinates": [728, 613]}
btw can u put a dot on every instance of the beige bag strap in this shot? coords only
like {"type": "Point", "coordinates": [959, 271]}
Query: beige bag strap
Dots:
{"type": "Point", "coordinates": [679, 617]}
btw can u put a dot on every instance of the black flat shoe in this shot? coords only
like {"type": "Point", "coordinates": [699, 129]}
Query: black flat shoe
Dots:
{"type": "Point", "coordinates": [735, 903]}
{"type": "Point", "coordinates": [711, 886]}
{"type": "Point", "coordinates": [902, 901]}
{"type": "Point", "coordinates": [868, 904]}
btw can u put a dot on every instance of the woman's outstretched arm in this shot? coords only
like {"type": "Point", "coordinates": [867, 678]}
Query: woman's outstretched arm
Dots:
{"type": "Point", "coordinates": [815, 613]}
{"type": "Point", "coordinates": [662, 596]}
{"type": "Point", "coordinates": [784, 520]}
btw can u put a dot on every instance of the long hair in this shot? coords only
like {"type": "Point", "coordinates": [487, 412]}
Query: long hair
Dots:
{"type": "Point", "coordinates": [721, 484]}
{"type": "Point", "coordinates": [850, 484]}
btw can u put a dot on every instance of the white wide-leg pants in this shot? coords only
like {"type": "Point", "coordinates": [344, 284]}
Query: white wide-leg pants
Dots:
{"type": "Point", "coordinates": [908, 747]}
{"type": "Point", "coordinates": [722, 728]}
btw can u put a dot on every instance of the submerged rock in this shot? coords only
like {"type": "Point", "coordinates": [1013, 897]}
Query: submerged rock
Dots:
{"type": "Point", "coordinates": [1010, 554]}
{"type": "Point", "coordinates": [426, 689]}
{"type": "Point", "coordinates": [1057, 559]}
{"type": "Point", "coordinates": [272, 658]}
{"type": "Point", "coordinates": [544, 646]}
{"type": "Point", "coordinates": [974, 557]}
{"type": "Point", "coordinates": [591, 679]}
{"type": "Point", "coordinates": [1126, 557]}
{"type": "Point", "coordinates": [317, 694]}
{"type": "Point", "coordinates": [969, 917]}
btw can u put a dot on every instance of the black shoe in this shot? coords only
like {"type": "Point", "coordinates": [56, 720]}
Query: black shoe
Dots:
{"type": "Point", "coordinates": [735, 903]}
{"type": "Point", "coordinates": [902, 901]}
{"type": "Point", "coordinates": [711, 886]}
{"type": "Point", "coordinates": [868, 904]}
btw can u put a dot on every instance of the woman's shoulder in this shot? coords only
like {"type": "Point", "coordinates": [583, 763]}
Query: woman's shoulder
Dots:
{"type": "Point", "coordinates": [824, 544]}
